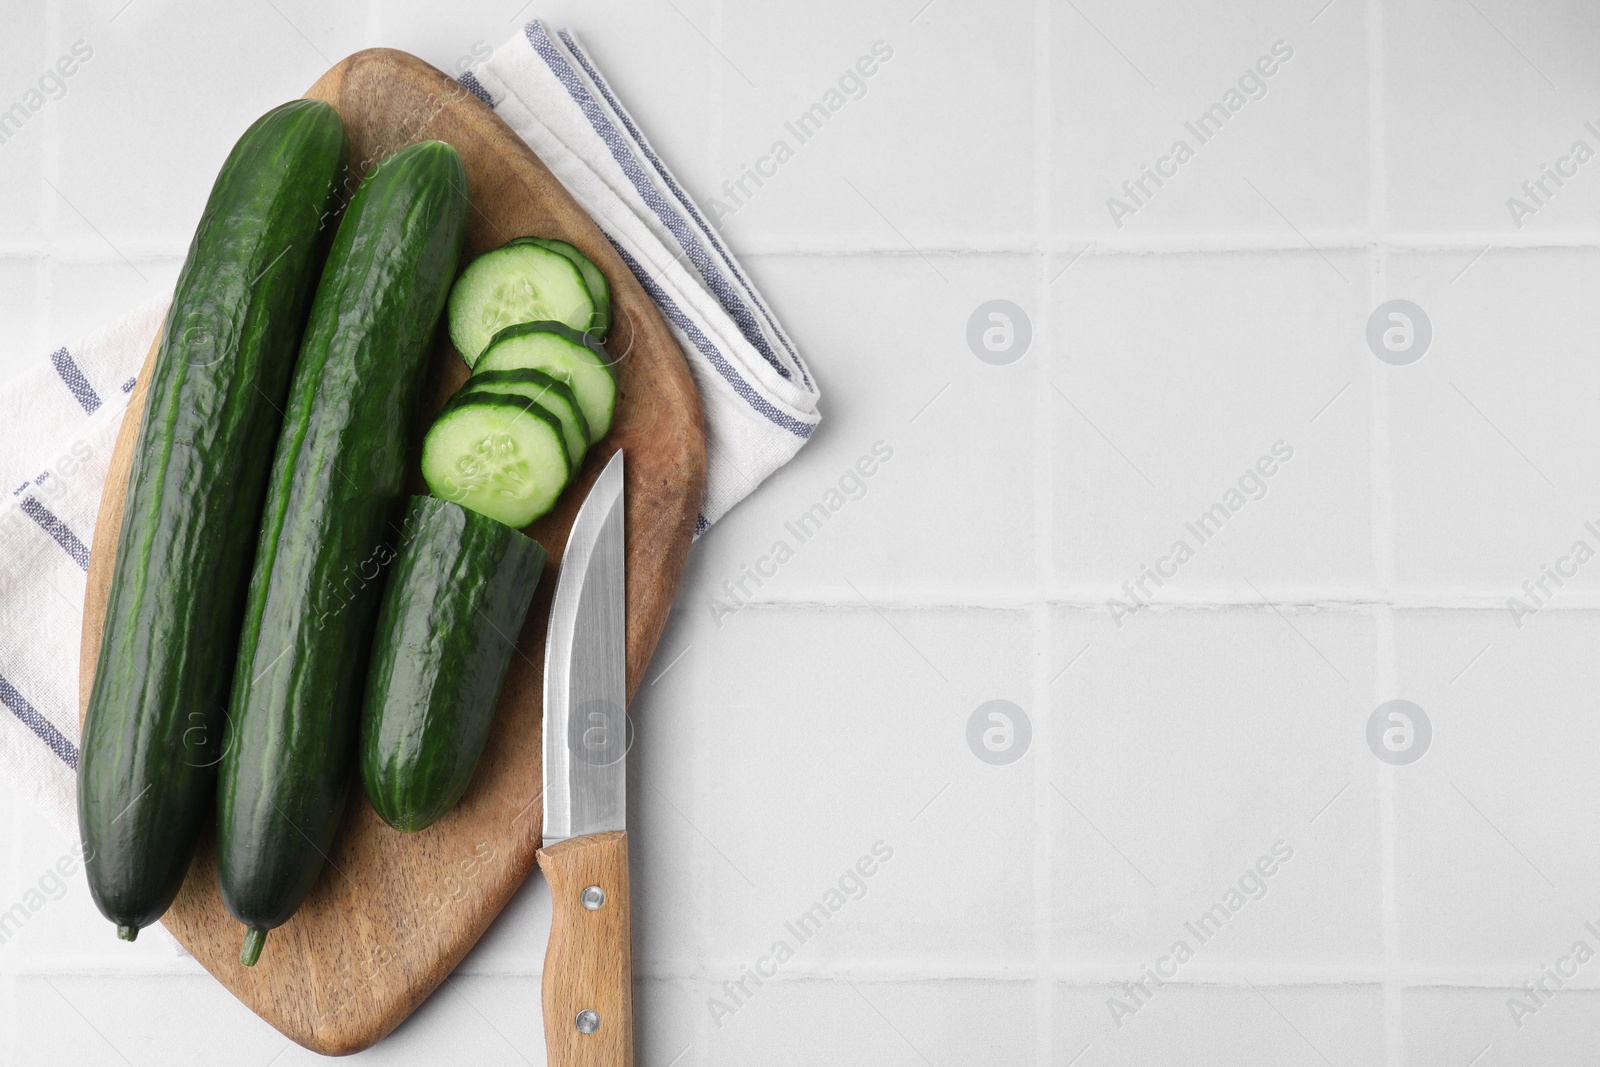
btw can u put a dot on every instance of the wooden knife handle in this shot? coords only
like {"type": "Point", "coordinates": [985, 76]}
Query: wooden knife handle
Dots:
{"type": "Point", "coordinates": [588, 967]}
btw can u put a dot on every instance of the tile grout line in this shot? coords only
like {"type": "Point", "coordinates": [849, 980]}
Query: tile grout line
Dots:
{"type": "Point", "coordinates": [1382, 496]}
{"type": "Point", "coordinates": [704, 1030]}
{"type": "Point", "coordinates": [1044, 570]}
{"type": "Point", "coordinates": [49, 209]}
{"type": "Point", "coordinates": [1093, 600]}
{"type": "Point", "coordinates": [90, 250]}
{"type": "Point", "coordinates": [1238, 976]}
{"type": "Point", "coordinates": [702, 924]}
{"type": "Point", "coordinates": [43, 276]}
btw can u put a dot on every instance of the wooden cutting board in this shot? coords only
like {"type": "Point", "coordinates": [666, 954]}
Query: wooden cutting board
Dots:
{"type": "Point", "coordinates": [393, 914]}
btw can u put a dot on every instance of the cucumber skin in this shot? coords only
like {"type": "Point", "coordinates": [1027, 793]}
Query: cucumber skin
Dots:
{"type": "Point", "coordinates": [597, 430]}
{"type": "Point", "coordinates": [337, 480]}
{"type": "Point", "coordinates": [577, 337]}
{"type": "Point", "coordinates": [453, 606]}
{"type": "Point", "coordinates": [146, 776]}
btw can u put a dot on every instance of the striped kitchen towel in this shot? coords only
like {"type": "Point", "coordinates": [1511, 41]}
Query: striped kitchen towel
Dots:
{"type": "Point", "coordinates": [760, 403]}
{"type": "Point", "coordinates": [60, 420]}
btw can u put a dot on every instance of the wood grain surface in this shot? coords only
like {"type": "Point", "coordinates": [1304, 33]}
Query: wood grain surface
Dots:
{"type": "Point", "coordinates": [589, 965]}
{"type": "Point", "coordinates": [393, 914]}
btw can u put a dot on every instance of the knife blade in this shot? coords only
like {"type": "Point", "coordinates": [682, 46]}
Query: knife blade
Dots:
{"type": "Point", "coordinates": [588, 973]}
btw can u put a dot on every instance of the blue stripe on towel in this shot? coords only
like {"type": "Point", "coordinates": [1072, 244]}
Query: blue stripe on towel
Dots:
{"type": "Point", "coordinates": [58, 530]}
{"type": "Point", "coordinates": [682, 197]}
{"type": "Point", "coordinates": [75, 381]}
{"type": "Point", "coordinates": [471, 83]}
{"type": "Point", "coordinates": [686, 235]}
{"type": "Point", "coordinates": [706, 348]}
{"type": "Point", "coordinates": [40, 725]}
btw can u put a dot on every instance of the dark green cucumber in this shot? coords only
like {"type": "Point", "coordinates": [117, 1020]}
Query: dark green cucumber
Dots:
{"type": "Point", "coordinates": [593, 280]}
{"type": "Point", "coordinates": [337, 483]}
{"type": "Point", "coordinates": [452, 608]}
{"type": "Point", "coordinates": [153, 730]}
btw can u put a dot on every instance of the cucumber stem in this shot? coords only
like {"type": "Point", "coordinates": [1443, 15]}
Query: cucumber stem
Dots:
{"type": "Point", "coordinates": [126, 932]}
{"type": "Point", "coordinates": [254, 938]}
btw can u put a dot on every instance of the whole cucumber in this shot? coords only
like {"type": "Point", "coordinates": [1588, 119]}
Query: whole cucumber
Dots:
{"type": "Point", "coordinates": [453, 606]}
{"type": "Point", "coordinates": [151, 737]}
{"type": "Point", "coordinates": [337, 482]}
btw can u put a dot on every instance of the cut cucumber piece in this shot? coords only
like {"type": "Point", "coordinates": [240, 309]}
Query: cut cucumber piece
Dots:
{"type": "Point", "coordinates": [539, 388]}
{"type": "Point", "coordinates": [517, 282]}
{"type": "Point", "coordinates": [500, 456]}
{"type": "Point", "coordinates": [453, 605]}
{"type": "Point", "coordinates": [566, 355]}
{"type": "Point", "coordinates": [593, 280]}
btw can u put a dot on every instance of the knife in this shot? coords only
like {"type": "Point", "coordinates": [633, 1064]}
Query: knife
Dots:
{"type": "Point", "coordinates": [588, 968]}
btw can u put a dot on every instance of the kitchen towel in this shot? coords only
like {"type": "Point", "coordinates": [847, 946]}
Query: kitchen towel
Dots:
{"type": "Point", "coordinates": [59, 422]}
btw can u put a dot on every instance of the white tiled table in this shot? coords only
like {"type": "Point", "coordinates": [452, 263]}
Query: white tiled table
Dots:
{"type": "Point", "coordinates": [1168, 753]}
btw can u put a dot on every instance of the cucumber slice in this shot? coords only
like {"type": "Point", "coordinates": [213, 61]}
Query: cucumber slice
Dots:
{"type": "Point", "coordinates": [566, 355]}
{"type": "Point", "coordinates": [511, 284]}
{"type": "Point", "coordinates": [536, 387]}
{"type": "Point", "coordinates": [574, 458]}
{"type": "Point", "coordinates": [500, 456]}
{"type": "Point", "coordinates": [593, 280]}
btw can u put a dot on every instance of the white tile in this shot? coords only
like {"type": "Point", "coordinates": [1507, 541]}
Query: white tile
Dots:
{"type": "Point", "coordinates": [933, 149]}
{"type": "Point", "coordinates": [333, 31]}
{"type": "Point", "coordinates": [1185, 747]}
{"type": "Point", "coordinates": [811, 1022]}
{"type": "Point", "coordinates": [1127, 78]}
{"type": "Point", "coordinates": [950, 511]}
{"type": "Point", "coordinates": [81, 298]}
{"type": "Point", "coordinates": [778, 743]}
{"type": "Point", "coordinates": [1494, 792]}
{"type": "Point", "coordinates": [107, 1019]}
{"type": "Point", "coordinates": [21, 330]}
{"type": "Point", "coordinates": [1502, 403]}
{"type": "Point", "coordinates": [640, 49]}
{"type": "Point", "coordinates": [9, 1022]}
{"type": "Point", "coordinates": [1210, 1026]}
{"type": "Point", "coordinates": [1511, 81]}
{"type": "Point", "coordinates": [64, 929]}
{"type": "Point", "coordinates": [1173, 377]}
{"type": "Point", "coordinates": [834, 769]}
{"type": "Point", "coordinates": [166, 140]}
{"type": "Point", "coordinates": [515, 942]}
{"type": "Point", "coordinates": [184, 1020]}
{"type": "Point", "coordinates": [669, 1017]}
{"type": "Point", "coordinates": [1450, 1026]}
{"type": "Point", "coordinates": [32, 96]}
{"type": "Point", "coordinates": [490, 1020]}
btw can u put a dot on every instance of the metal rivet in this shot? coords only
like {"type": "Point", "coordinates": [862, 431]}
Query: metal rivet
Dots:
{"type": "Point", "coordinates": [588, 1021]}
{"type": "Point", "coordinates": [594, 898]}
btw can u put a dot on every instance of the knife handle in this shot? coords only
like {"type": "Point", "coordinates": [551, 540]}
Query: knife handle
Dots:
{"type": "Point", "coordinates": [588, 968]}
